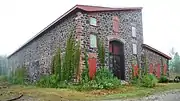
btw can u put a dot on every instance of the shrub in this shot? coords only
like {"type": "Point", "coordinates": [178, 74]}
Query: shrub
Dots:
{"type": "Point", "coordinates": [71, 58]}
{"type": "Point", "coordinates": [149, 80]}
{"type": "Point", "coordinates": [56, 64]}
{"type": "Point", "coordinates": [52, 81]}
{"type": "Point", "coordinates": [85, 74]}
{"type": "Point", "coordinates": [136, 81]}
{"type": "Point", "coordinates": [48, 81]}
{"type": "Point", "coordinates": [143, 78]}
{"type": "Point", "coordinates": [43, 81]}
{"type": "Point", "coordinates": [18, 76]}
{"type": "Point", "coordinates": [3, 78]}
{"type": "Point", "coordinates": [101, 52]}
{"type": "Point", "coordinates": [104, 79]}
{"type": "Point", "coordinates": [163, 79]}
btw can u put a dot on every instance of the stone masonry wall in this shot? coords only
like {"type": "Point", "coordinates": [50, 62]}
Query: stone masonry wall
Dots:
{"type": "Point", "coordinates": [155, 60]}
{"type": "Point", "coordinates": [37, 55]}
{"type": "Point", "coordinates": [104, 31]}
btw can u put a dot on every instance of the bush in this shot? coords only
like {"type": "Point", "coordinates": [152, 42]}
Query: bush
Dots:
{"type": "Point", "coordinates": [70, 65]}
{"type": "Point", "coordinates": [149, 80]}
{"type": "Point", "coordinates": [56, 64]}
{"type": "Point", "coordinates": [18, 76]}
{"type": "Point", "coordinates": [52, 81]}
{"type": "Point", "coordinates": [101, 52]}
{"type": "Point", "coordinates": [48, 81]}
{"type": "Point", "coordinates": [85, 74]}
{"type": "Point", "coordinates": [163, 79]}
{"type": "Point", "coordinates": [136, 81]}
{"type": "Point", "coordinates": [3, 78]}
{"type": "Point", "coordinates": [66, 67]}
{"type": "Point", "coordinates": [104, 79]}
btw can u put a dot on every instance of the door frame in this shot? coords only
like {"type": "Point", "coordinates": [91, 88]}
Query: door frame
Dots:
{"type": "Point", "coordinates": [121, 45]}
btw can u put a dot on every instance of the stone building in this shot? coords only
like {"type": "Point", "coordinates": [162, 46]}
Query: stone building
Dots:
{"type": "Point", "coordinates": [157, 61]}
{"type": "Point", "coordinates": [120, 29]}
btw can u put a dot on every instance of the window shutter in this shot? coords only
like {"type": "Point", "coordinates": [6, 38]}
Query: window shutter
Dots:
{"type": "Point", "coordinates": [116, 24]}
{"type": "Point", "coordinates": [92, 67]}
{"type": "Point", "coordinates": [165, 69]}
{"type": "Point", "coordinates": [134, 49]}
{"type": "Point", "coordinates": [93, 41]}
{"type": "Point", "coordinates": [158, 72]}
{"type": "Point", "coordinates": [93, 21]}
{"type": "Point", "coordinates": [133, 31]}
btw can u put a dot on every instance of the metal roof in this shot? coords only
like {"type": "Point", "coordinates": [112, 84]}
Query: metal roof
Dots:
{"type": "Point", "coordinates": [86, 8]}
{"type": "Point", "coordinates": [99, 8]}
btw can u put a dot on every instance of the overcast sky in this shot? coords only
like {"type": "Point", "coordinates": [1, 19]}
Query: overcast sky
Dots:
{"type": "Point", "coordinates": [20, 20]}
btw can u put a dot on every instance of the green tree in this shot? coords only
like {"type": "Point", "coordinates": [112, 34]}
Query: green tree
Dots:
{"type": "Point", "coordinates": [3, 65]}
{"type": "Point", "coordinates": [176, 63]}
{"type": "Point", "coordinates": [172, 53]}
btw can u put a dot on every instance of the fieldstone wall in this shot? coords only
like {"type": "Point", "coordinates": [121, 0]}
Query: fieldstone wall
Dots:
{"type": "Point", "coordinates": [104, 31]}
{"type": "Point", "coordinates": [154, 60]}
{"type": "Point", "coordinates": [37, 55]}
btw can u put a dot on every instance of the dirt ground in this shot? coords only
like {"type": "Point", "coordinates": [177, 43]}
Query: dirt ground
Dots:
{"type": "Point", "coordinates": [32, 93]}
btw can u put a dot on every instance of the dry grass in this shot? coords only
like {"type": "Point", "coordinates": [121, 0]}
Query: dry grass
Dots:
{"type": "Point", "coordinates": [52, 94]}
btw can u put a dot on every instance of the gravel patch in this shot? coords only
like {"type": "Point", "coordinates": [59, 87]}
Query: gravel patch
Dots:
{"type": "Point", "coordinates": [172, 95]}
{"type": "Point", "coordinates": [28, 98]}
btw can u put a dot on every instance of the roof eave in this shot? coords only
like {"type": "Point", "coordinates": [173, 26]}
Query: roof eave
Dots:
{"type": "Point", "coordinates": [44, 30]}
{"type": "Point", "coordinates": [157, 51]}
{"type": "Point", "coordinates": [69, 11]}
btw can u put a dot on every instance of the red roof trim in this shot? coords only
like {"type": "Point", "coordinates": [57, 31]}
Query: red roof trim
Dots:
{"type": "Point", "coordinates": [156, 51]}
{"type": "Point", "coordinates": [100, 8]}
{"type": "Point", "coordinates": [82, 7]}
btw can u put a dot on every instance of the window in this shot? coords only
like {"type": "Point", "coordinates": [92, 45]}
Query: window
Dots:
{"type": "Point", "coordinates": [93, 41]}
{"type": "Point", "coordinates": [93, 21]}
{"type": "Point", "coordinates": [133, 32]}
{"type": "Point", "coordinates": [134, 49]}
{"type": "Point", "coordinates": [115, 24]}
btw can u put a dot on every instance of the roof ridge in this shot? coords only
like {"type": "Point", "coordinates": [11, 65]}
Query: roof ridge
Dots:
{"type": "Point", "coordinates": [93, 6]}
{"type": "Point", "coordinates": [78, 5]}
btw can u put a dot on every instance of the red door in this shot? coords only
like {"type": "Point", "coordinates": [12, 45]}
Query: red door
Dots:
{"type": "Point", "coordinates": [158, 71]}
{"type": "Point", "coordinates": [92, 67]}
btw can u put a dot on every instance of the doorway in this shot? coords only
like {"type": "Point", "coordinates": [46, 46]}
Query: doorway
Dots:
{"type": "Point", "coordinates": [116, 59]}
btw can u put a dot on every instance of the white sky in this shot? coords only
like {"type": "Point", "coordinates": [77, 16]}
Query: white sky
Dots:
{"type": "Point", "coordinates": [20, 20]}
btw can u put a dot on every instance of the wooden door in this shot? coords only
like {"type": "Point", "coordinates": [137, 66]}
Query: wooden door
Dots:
{"type": "Point", "coordinates": [116, 59]}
